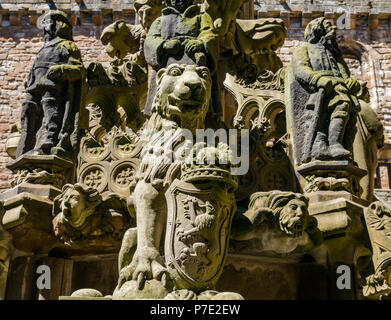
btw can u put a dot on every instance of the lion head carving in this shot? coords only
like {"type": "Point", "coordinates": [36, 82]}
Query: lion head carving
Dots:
{"type": "Point", "coordinates": [76, 204]}
{"type": "Point", "coordinates": [183, 96]}
{"type": "Point", "coordinates": [181, 102]}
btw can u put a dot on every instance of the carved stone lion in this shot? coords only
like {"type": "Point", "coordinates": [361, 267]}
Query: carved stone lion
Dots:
{"type": "Point", "coordinates": [181, 102]}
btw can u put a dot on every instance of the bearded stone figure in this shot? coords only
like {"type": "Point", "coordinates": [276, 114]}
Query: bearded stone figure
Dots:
{"type": "Point", "coordinates": [276, 221]}
{"type": "Point", "coordinates": [321, 97]}
{"type": "Point", "coordinates": [51, 112]}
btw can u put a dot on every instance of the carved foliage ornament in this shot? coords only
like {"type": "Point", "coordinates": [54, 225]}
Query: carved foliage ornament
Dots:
{"type": "Point", "coordinates": [378, 220]}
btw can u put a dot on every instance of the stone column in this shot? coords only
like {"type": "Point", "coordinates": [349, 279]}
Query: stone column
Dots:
{"type": "Point", "coordinates": [247, 11]}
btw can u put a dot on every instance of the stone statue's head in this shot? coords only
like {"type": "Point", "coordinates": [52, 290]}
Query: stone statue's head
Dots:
{"type": "Point", "coordinates": [148, 11]}
{"type": "Point", "coordinates": [121, 39]}
{"type": "Point", "coordinates": [319, 30]}
{"type": "Point", "coordinates": [289, 210]}
{"type": "Point", "coordinates": [183, 95]}
{"type": "Point", "coordinates": [56, 24]}
{"type": "Point", "coordinates": [180, 5]}
{"type": "Point", "coordinates": [76, 204]}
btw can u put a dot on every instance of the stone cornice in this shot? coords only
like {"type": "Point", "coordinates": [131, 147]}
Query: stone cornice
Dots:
{"type": "Point", "coordinates": [77, 17]}
{"type": "Point", "coordinates": [356, 20]}
{"type": "Point", "coordinates": [294, 14]}
{"type": "Point", "coordinates": [67, 5]}
{"type": "Point", "coordinates": [334, 6]}
{"type": "Point", "coordinates": [91, 11]}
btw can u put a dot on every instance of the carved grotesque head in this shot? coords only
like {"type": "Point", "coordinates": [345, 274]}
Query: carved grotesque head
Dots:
{"type": "Point", "coordinates": [292, 218]}
{"type": "Point", "coordinates": [319, 30]}
{"type": "Point", "coordinates": [183, 96]}
{"type": "Point", "coordinates": [289, 210]}
{"type": "Point", "coordinates": [180, 5]}
{"type": "Point", "coordinates": [121, 39]}
{"type": "Point", "coordinates": [56, 24]}
{"type": "Point", "coordinates": [77, 204]}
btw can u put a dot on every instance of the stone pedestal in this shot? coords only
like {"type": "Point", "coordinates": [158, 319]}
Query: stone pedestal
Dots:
{"type": "Point", "coordinates": [339, 215]}
{"type": "Point", "coordinates": [333, 188]}
{"type": "Point", "coordinates": [331, 176]}
{"type": "Point", "coordinates": [28, 219]}
{"type": "Point", "coordinates": [37, 180]}
{"type": "Point", "coordinates": [27, 216]}
{"type": "Point", "coordinates": [42, 170]}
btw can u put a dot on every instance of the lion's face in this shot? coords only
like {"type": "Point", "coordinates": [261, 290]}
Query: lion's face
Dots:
{"type": "Point", "coordinates": [184, 94]}
{"type": "Point", "coordinates": [74, 208]}
{"type": "Point", "coordinates": [292, 219]}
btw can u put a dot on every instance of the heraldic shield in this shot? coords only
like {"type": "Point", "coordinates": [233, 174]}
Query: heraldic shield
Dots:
{"type": "Point", "coordinates": [198, 228]}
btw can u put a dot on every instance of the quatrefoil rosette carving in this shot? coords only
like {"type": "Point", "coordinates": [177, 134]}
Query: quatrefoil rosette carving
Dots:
{"type": "Point", "coordinates": [94, 175]}
{"type": "Point", "coordinates": [122, 176]}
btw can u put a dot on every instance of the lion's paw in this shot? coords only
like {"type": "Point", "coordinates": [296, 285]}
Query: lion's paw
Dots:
{"type": "Point", "coordinates": [146, 265]}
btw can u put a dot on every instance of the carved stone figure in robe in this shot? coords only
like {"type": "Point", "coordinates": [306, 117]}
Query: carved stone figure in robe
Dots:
{"type": "Point", "coordinates": [369, 139]}
{"type": "Point", "coordinates": [181, 35]}
{"type": "Point", "coordinates": [51, 111]}
{"type": "Point", "coordinates": [378, 221]}
{"type": "Point", "coordinates": [323, 102]}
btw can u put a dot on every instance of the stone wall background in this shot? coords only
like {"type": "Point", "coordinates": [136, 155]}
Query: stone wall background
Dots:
{"type": "Point", "coordinates": [364, 29]}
